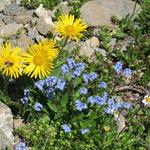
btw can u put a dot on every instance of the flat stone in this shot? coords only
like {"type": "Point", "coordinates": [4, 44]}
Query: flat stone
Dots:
{"type": "Point", "coordinates": [6, 127]}
{"type": "Point", "coordinates": [99, 12]}
{"type": "Point", "coordinates": [101, 51]}
{"type": "Point", "coordinates": [2, 24]}
{"type": "Point", "coordinates": [12, 9]}
{"type": "Point", "coordinates": [23, 17]}
{"type": "Point", "coordinates": [4, 3]}
{"type": "Point", "coordinates": [10, 29]}
{"type": "Point", "coordinates": [70, 46]}
{"type": "Point", "coordinates": [45, 25]}
{"type": "Point", "coordinates": [24, 41]}
{"type": "Point", "coordinates": [9, 19]}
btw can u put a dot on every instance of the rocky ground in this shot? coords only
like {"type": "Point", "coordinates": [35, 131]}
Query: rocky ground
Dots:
{"type": "Point", "coordinates": [23, 27]}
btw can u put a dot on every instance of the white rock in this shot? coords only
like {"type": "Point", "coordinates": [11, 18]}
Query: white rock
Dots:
{"type": "Point", "coordinates": [6, 127]}
{"type": "Point", "coordinates": [44, 25]}
{"type": "Point", "coordinates": [11, 29]}
{"type": "Point", "coordinates": [99, 12]}
{"type": "Point", "coordinates": [4, 3]}
{"type": "Point", "coordinates": [94, 42]}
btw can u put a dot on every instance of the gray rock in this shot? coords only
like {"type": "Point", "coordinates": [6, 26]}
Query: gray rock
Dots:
{"type": "Point", "coordinates": [6, 127]}
{"type": "Point", "coordinates": [42, 12]}
{"type": "Point", "coordinates": [10, 29]}
{"type": "Point", "coordinates": [12, 9]}
{"type": "Point", "coordinates": [2, 24]}
{"type": "Point", "coordinates": [101, 51]}
{"type": "Point", "coordinates": [23, 16]}
{"type": "Point", "coordinates": [71, 46]}
{"type": "Point", "coordinates": [24, 41]}
{"type": "Point", "coordinates": [9, 19]}
{"type": "Point", "coordinates": [99, 12]}
{"type": "Point", "coordinates": [44, 26]}
{"type": "Point", "coordinates": [4, 3]}
{"type": "Point", "coordinates": [1, 41]}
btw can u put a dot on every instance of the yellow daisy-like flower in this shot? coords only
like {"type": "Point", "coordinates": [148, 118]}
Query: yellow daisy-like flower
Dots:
{"type": "Point", "coordinates": [146, 100]}
{"type": "Point", "coordinates": [39, 59]}
{"type": "Point", "coordinates": [68, 26]}
{"type": "Point", "coordinates": [11, 61]}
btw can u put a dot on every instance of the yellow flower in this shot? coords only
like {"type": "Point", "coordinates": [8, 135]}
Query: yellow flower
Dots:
{"type": "Point", "coordinates": [106, 128]}
{"type": "Point", "coordinates": [11, 61]}
{"type": "Point", "coordinates": [68, 26]}
{"type": "Point", "coordinates": [39, 59]}
{"type": "Point", "coordinates": [146, 100]}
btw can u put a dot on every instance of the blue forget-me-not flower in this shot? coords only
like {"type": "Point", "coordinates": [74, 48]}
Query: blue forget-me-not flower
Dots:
{"type": "Point", "coordinates": [38, 106]}
{"type": "Point", "coordinates": [66, 128]}
{"type": "Point", "coordinates": [118, 67]}
{"type": "Point", "coordinates": [80, 105]}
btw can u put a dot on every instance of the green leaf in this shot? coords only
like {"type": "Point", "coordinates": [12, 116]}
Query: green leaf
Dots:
{"type": "Point", "coordinates": [52, 106]}
{"type": "Point", "coordinates": [76, 82]}
{"type": "Point", "coordinates": [64, 100]}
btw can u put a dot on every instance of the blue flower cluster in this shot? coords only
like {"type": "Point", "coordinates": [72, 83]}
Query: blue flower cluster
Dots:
{"type": "Point", "coordinates": [112, 106]}
{"type": "Point", "coordinates": [38, 106]}
{"type": "Point", "coordinates": [80, 105]}
{"type": "Point", "coordinates": [84, 130]}
{"type": "Point", "coordinates": [127, 72]}
{"type": "Point", "coordinates": [100, 100]}
{"type": "Point", "coordinates": [75, 68]}
{"type": "Point", "coordinates": [25, 98]}
{"type": "Point", "coordinates": [89, 77]}
{"type": "Point", "coordinates": [102, 85]}
{"type": "Point", "coordinates": [50, 85]}
{"type": "Point", "coordinates": [118, 67]}
{"type": "Point", "coordinates": [83, 91]}
{"type": "Point", "coordinates": [66, 128]}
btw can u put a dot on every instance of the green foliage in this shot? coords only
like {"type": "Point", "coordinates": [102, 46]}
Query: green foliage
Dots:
{"type": "Point", "coordinates": [76, 5]}
{"type": "Point", "coordinates": [48, 4]}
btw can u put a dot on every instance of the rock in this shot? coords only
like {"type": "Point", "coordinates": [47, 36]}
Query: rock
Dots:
{"type": "Point", "coordinates": [1, 41]}
{"type": "Point", "coordinates": [94, 42]}
{"type": "Point", "coordinates": [24, 41]}
{"type": "Point", "coordinates": [101, 51]}
{"type": "Point", "coordinates": [23, 17]}
{"type": "Point", "coordinates": [42, 12]}
{"type": "Point", "coordinates": [2, 24]}
{"type": "Point", "coordinates": [10, 29]}
{"type": "Point", "coordinates": [113, 42]}
{"type": "Point", "coordinates": [6, 127]}
{"type": "Point", "coordinates": [4, 3]}
{"type": "Point", "coordinates": [9, 19]}
{"type": "Point", "coordinates": [70, 46]}
{"type": "Point", "coordinates": [99, 12]}
{"type": "Point", "coordinates": [12, 9]}
{"type": "Point", "coordinates": [44, 22]}
{"type": "Point", "coordinates": [85, 49]}
{"type": "Point", "coordinates": [45, 25]}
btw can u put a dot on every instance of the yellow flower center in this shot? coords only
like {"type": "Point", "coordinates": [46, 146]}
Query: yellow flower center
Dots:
{"type": "Point", "coordinates": [38, 60]}
{"type": "Point", "coordinates": [9, 62]}
{"type": "Point", "coordinates": [147, 99]}
{"type": "Point", "coordinates": [69, 29]}
{"type": "Point", "coordinates": [106, 128]}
